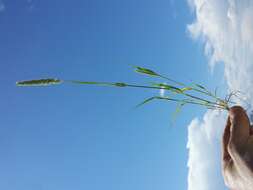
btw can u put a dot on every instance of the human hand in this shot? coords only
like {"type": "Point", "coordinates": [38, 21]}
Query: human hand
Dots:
{"type": "Point", "coordinates": [237, 151]}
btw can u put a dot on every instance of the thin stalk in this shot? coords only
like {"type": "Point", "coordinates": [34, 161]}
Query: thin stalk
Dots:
{"type": "Point", "coordinates": [184, 85]}
{"type": "Point", "coordinates": [190, 102]}
{"type": "Point", "coordinates": [142, 86]}
{"type": "Point", "coordinates": [186, 94]}
{"type": "Point", "coordinates": [149, 72]}
{"type": "Point", "coordinates": [208, 93]}
{"type": "Point", "coordinates": [171, 80]}
{"type": "Point", "coordinates": [192, 99]}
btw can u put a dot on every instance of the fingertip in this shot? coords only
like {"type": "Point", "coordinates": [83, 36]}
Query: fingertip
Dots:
{"type": "Point", "coordinates": [237, 113]}
{"type": "Point", "coordinates": [239, 130]}
{"type": "Point", "coordinates": [235, 110]}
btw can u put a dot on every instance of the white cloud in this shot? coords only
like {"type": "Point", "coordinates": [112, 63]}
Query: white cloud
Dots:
{"type": "Point", "coordinates": [204, 152]}
{"type": "Point", "coordinates": [226, 29]}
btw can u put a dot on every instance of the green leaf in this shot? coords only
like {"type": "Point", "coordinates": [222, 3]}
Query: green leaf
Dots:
{"type": "Point", "coordinates": [168, 87]}
{"type": "Point", "coordinates": [39, 82]}
{"type": "Point", "coordinates": [177, 111]}
{"type": "Point", "coordinates": [145, 71]}
{"type": "Point", "coordinates": [167, 98]}
{"type": "Point", "coordinates": [146, 101]}
{"type": "Point", "coordinates": [186, 89]}
{"type": "Point", "coordinates": [200, 86]}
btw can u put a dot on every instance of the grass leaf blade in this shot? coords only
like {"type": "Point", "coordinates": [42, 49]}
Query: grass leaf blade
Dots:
{"type": "Point", "coordinates": [200, 87]}
{"type": "Point", "coordinates": [186, 89]}
{"type": "Point", "coordinates": [145, 101]}
{"type": "Point", "coordinates": [177, 111]}
{"type": "Point", "coordinates": [168, 87]}
{"type": "Point", "coordinates": [145, 71]}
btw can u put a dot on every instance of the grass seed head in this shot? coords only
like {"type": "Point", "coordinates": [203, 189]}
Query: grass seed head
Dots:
{"type": "Point", "coordinates": [39, 82]}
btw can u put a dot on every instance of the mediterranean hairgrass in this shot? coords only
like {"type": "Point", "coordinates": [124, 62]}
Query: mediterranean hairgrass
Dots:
{"type": "Point", "coordinates": [181, 93]}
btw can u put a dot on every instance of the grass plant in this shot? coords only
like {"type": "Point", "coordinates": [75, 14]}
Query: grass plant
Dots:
{"type": "Point", "coordinates": [181, 93]}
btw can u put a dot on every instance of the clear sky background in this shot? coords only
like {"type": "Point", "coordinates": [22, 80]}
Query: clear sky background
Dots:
{"type": "Point", "coordinates": [85, 137]}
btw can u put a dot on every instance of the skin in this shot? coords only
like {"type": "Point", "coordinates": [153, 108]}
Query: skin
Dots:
{"type": "Point", "coordinates": [237, 151]}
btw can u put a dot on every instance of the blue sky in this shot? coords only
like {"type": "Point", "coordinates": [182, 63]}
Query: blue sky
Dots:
{"type": "Point", "coordinates": [85, 137]}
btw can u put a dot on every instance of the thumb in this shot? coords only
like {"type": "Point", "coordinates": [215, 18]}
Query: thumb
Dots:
{"type": "Point", "coordinates": [239, 129]}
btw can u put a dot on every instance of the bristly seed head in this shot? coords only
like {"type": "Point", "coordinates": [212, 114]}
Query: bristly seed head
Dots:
{"type": "Point", "coordinates": [40, 82]}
